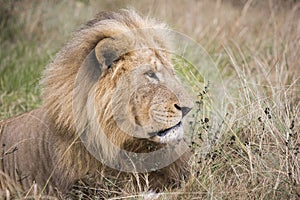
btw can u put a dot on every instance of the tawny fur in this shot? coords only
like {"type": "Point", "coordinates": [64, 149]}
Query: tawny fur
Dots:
{"type": "Point", "coordinates": [44, 146]}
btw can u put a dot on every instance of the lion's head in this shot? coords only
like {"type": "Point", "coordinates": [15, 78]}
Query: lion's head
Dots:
{"type": "Point", "coordinates": [114, 81]}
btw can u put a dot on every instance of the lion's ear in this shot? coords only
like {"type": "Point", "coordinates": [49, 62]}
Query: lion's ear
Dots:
{"type": "Point", "coordinates": [109, 50]}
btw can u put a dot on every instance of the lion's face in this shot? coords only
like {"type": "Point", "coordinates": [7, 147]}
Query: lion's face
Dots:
{"type": "Point", "coordinates": [149, 101]}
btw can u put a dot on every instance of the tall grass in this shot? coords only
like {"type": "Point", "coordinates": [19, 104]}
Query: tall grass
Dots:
{"type": "Point", "coordinates": [255, 152]}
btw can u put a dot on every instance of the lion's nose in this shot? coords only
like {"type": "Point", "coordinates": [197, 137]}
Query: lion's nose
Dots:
{"type": "Point", "coordinates": [184, 110]}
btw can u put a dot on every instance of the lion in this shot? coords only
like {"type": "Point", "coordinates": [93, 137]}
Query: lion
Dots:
{"type": "Point", "coordinates": [111, 89]}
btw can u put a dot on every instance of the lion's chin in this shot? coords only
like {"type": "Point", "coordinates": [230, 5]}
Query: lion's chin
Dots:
{"type": "Point", "coordinates": [171, 135]}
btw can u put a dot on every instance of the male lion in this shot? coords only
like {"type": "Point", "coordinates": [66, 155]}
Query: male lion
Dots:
{"type": "Point", "coordinates": [110, 93]}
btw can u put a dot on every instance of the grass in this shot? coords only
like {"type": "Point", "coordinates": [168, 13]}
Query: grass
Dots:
{"type": "Point", "coordinates": [246, 123]}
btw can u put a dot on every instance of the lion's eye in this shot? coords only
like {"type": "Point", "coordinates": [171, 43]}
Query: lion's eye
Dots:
{"type": "Point", "coordinates": [151, 74]}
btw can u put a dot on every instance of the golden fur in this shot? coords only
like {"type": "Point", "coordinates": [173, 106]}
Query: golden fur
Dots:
{"type": "Point", "coordinates": [82, 99]}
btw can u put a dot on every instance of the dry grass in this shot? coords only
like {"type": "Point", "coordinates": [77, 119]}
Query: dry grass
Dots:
{"type": "Point", "coordinates": [254, 151]}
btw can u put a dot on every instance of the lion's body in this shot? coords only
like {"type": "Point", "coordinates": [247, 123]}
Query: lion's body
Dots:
{"type": "Point", "coordinates": [33, 152]}
{"type": "Point", "coordinates": [45, 145]}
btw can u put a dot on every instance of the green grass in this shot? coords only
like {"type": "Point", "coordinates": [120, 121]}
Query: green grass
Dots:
{"type": "Point", "coordinates": [246, 123]}
{"type": "Point", "coordinates": [20, 72]}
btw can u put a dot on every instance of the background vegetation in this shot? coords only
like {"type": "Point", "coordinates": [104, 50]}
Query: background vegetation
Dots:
{"type": "Point", "coordinates": [256, 47]}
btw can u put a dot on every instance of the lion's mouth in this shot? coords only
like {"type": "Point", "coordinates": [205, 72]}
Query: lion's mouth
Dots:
{"type": "Point", "coordinates": [174, 133]}
{"type": "Point", "coordinates": [166, 131]}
